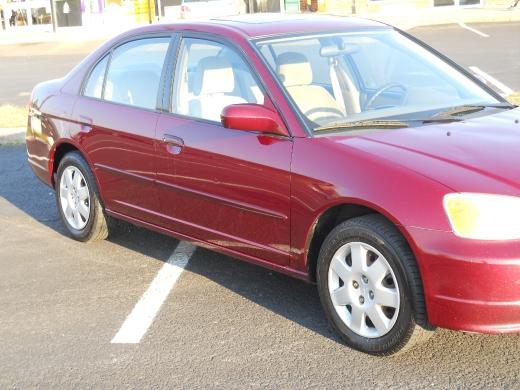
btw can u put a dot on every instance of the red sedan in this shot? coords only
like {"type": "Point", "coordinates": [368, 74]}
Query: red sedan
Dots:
{"type": "Point", "coordinates": [336, 150]}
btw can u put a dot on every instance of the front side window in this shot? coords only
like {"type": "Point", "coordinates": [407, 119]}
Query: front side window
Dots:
{"type": "Point", "coordinates": [134, 72]}
{"type": "Point", "coordinates": [210, 76]}
{"type": "Point", "coordinates": [370, 75]}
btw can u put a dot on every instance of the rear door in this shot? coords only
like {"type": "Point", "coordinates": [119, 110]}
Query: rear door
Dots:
{"type": "Point", "coordinates": [118, 114]}
{"type": "Point", "coordinates": [227, 187]}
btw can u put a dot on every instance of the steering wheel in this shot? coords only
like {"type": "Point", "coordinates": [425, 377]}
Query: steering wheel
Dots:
{"type": "Point", "coordinates": [386, 87]}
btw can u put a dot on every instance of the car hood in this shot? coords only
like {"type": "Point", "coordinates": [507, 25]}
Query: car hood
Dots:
{"type": "Point", "coordinates": [478, 155]}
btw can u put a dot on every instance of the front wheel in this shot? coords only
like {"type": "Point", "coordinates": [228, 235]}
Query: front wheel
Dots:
{"type": "Point", "coordinates": [370, 287]}
{"type": "Point", "coordinates": [78, 200]}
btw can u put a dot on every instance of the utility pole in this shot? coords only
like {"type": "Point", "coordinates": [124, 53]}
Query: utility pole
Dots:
{"type": "Point", "coordinates": [53, 16]}
{"type": "Point", "coordinates": [149, 12]}
{"type": "Point", "coordinates": [353, 7]}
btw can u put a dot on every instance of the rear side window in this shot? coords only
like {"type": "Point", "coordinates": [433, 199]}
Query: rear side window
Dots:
{"type": "Point", "coordinates": [94, 86]}
{"type": "Point", "coordinates": [134, 72]}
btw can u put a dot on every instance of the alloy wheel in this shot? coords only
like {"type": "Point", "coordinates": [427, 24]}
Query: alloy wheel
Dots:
{"type": "Point", "coordinates": [363, 289]}
{"type": "Point", "coordinates": [74, 197]}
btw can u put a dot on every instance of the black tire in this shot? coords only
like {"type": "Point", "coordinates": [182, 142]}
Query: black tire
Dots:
{"type": "Point", "coordinates": [382, 235]}
{"type": "Point", "coordinates": [97, 226]}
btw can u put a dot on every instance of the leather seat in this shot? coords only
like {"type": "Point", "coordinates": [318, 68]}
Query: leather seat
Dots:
{"type": "Point", "coordinates": [214, 85]}
{"type": "Point", "coordinates": [314, 101]}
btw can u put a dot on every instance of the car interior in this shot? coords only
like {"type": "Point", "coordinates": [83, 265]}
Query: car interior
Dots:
{"type": "Point", "coordinates": [135, 87]}
{"type": "Point", "coordinates": [295, 72]}
{"type": "Point", "coordinates": [335, 79]}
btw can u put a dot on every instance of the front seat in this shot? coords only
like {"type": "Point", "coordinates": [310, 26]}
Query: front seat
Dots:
{"type": "Point", "coordinates": [314, 101]}
{"type": "Point", "coordinates": [214, 85]}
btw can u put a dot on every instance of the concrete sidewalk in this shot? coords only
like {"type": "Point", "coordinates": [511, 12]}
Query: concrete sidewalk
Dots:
{"type": "Point", "coordinates": [402, 16]}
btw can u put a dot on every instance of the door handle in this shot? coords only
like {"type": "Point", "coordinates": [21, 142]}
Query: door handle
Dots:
{"type": "Point", "coordinates": [173, 140]}
{"type": "Point", "coordinates": [86, 123]}
{"type": "Point", "coordinates": [174, 144]}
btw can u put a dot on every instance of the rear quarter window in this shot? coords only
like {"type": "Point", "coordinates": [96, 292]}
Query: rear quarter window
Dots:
{"type": "Point", "coordinates": [94, 85]}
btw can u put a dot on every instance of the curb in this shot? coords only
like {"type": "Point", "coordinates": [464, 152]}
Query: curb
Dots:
{"type": "Point", "coordinates": [14, 136]}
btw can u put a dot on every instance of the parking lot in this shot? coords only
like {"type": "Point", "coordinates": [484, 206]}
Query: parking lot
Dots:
{"type": "Point", "coordinates": [225, 323]}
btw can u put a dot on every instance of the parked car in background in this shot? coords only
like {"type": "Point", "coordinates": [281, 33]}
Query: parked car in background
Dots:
{"type": "Point", "coordinates": [193, 9]}
{"type": "Point", "coordinates": [336, 150]}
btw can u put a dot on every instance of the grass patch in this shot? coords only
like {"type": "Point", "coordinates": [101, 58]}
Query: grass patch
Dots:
{"type": "Point", "coordinates": [514, 98]}
{"type": "Point", "coordinates": [12, 116]}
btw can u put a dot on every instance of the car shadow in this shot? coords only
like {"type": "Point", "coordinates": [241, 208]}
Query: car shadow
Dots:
{"type": "Point", "coordinates": [294, 299]}
{"type": "Point", "coordinates": [291, 298]}
{"type": "Point", "coordinates": [20, 187]}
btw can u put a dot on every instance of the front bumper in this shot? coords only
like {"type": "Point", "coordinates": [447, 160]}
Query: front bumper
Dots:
{"type": "Point", "coordinates": [469, 285]}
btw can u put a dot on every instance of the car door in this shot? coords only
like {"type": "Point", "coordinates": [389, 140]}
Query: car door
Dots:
{"type": "Point", "coordinates": [227, 187]}
{"type": "Point", "coordinates": [118, 116]}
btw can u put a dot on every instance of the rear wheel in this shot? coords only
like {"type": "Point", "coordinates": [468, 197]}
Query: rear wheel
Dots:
{"type": "Point", "coordinates": [370, 286]}
{"type": "Point", "coordinates": [78, 200]}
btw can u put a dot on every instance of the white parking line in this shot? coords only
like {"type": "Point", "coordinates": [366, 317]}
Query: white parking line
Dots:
{"type": "Point", "coordinates": [504, 89]}
{"type": "Point", "coordinates": [474, 30]}
{"type": "Point", "coordinates": [144, 312]}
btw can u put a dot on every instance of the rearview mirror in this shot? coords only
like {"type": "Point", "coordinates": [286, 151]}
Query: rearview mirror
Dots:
{"type": "Point", "coordinates": [252, 117]}
{"type": "Point", "coordinates": [334, 50]}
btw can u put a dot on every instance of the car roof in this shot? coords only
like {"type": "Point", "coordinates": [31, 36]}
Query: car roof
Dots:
{"type": "Point", "coordinates": [261, 25]}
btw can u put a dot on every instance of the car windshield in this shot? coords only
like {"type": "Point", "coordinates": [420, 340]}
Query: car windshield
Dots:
{"type": "Point", "coordinates": [369, 75]}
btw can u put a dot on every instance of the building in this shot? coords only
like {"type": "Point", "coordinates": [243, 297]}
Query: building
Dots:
{"type": "Point", "coordinates": [367, 7]}
{"type": "Point", "coordinates": [36, 14]}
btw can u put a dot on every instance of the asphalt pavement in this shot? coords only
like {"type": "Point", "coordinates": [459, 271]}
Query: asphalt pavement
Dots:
{"type": "Point", "coordinates": [24, 65]}
{"type": "Point", "coordinates": [225, 324]}
{"type": "Point", "coordinates": [497, 54]}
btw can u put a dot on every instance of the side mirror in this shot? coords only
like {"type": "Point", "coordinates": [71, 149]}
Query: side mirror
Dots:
{"type": "Point", "coordinates": [252, 117]}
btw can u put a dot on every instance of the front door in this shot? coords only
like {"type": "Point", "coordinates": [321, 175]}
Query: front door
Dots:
{"type": "Point", "coordinates": [228, 187]}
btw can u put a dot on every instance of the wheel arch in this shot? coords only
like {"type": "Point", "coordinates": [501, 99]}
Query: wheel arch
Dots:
{"type": "Point", "coordinates": [332, 215]}
{"type": "Point", "coordinates": [59, 150]}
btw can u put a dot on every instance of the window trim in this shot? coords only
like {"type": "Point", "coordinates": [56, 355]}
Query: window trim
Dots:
{"type": "Point", "coordinates": [171, 35]}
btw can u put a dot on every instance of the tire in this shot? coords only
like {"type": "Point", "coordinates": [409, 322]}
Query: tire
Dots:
{"type": "Point", "coordinates": [90, 222]}
{"type": "Point", "coordinates": [375, 310]}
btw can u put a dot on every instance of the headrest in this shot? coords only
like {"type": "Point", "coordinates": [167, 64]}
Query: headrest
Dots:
{"type": "Point", "coordinates": [214, 75]}
{"type": "Point", "coordinates": [294, 69]}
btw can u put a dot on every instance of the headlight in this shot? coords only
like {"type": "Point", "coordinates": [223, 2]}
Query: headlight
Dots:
{"type": "Point", "coordinates": [483, 216]}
